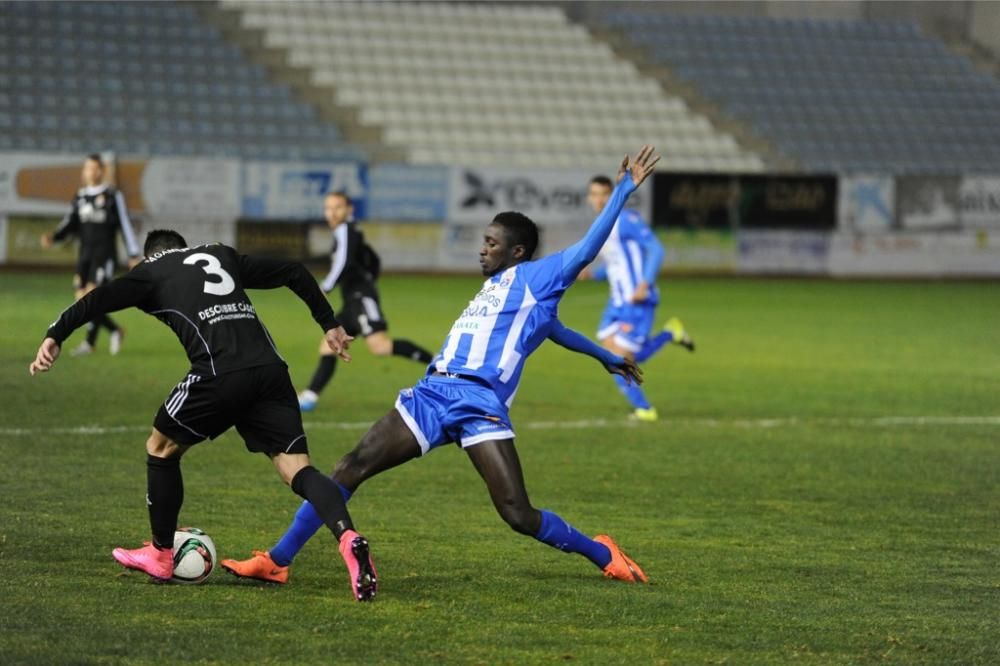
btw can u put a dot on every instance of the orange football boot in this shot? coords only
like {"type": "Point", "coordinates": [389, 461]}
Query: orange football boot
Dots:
{"type": "Point", "coordinates": [260, 567]}
{"type": "Point", "coordinates": [621, 567]}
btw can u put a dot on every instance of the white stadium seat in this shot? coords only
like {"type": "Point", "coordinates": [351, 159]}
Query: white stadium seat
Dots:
{"type": "Point", "coordinates": [494, 83]}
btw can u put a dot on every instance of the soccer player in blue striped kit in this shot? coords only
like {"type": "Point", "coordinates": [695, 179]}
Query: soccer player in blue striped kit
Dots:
{"type": "Point", "coordinates": [630, 262]}
{"type": "Point", "coordinates": [471, 383]}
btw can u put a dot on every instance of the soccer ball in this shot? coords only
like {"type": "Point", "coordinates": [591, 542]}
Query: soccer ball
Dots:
{"type": "Point", "coordinates": [194, 556]}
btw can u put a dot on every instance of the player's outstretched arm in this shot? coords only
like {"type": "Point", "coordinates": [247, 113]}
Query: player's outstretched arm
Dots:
{"type": "Point", "coordinates": [117, 295]}
{"type": "Point", "coordinates": [578, 342]}
{"type": "Point", "coordinates": [631, 174]}
{"type": "Point", "coordinates": [261, 273]}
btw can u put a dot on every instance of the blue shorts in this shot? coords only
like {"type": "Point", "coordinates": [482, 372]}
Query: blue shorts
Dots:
{"type": "Point", "coordinates": [440, 410]}
{"type": "Point", "coordinates": [628, 325]}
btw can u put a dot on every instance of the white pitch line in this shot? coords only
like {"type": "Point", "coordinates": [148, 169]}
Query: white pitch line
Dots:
{"type": "Point", "coordinates": [591, 424]}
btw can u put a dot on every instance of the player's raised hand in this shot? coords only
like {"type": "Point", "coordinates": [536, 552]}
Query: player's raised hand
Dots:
{"type": "Point", "coordinates": [339, 341]}
{"type": "Point", "coordinates": [47, 354]}
{"type": "Point", "coordinates": [640, 166]}
{"type": "Point", "coordinates": [627, 369]}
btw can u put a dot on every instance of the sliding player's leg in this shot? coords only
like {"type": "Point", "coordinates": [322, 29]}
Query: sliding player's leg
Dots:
{"type": "Point", "coordinates": [324, 496]}
{"type": "Point", "coordinates": [498, 464]}
{"type": "Point", "coordinates": [387, 443]}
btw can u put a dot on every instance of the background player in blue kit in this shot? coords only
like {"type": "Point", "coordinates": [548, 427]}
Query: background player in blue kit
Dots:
{"type": "Point", "coordinates": [471, 383]}
{"type": "Point", "coordinates": [631, 260]}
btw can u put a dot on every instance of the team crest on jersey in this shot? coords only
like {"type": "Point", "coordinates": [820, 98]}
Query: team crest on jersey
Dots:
{"type": "Point", "coordinates": [99, 201]}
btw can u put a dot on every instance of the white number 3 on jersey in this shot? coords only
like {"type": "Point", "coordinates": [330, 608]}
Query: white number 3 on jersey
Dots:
{"type": "Point", "coordinates": [212, 266]}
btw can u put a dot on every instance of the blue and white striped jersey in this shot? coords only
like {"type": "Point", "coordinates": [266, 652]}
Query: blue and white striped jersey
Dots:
{"type": "Point", "coordinates": [632, 254]}
{"type": "Point", "coordinates": [516, 309]}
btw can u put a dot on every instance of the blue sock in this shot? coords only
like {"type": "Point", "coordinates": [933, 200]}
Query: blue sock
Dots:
{"type": "Point", "coordinates": [633, 392]}
{"type": "Point", "coordinates": [653, 345]}
{"type": "Point", "coordinates": [305, 524]}
{"type": "Point", "coordinates": [557, 533]}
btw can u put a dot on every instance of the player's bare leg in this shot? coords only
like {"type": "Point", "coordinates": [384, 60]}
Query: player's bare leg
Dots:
{"type": "Point", "coordinates": [164, 497]}
{"type": "Point", "coordinates": [387, 444]}
{"type": "Point", "coordinates": [499, 466]}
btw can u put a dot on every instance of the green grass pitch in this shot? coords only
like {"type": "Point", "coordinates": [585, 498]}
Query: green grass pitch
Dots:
{"type": "Point", "coordinates": [823, 488]}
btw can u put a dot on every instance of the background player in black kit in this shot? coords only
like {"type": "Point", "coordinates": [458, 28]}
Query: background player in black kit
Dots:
{"type": "Point", "coordinates": [237, 379]}
{"type": "Point", "coordinates": [98, 212]}
{"type": "Point", "coordinates": [355, 267]}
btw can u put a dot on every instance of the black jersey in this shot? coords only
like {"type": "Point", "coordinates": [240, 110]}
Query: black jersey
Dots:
{"type": "Point", "coordinates": [96, 215]}
{"type": "Point", "coordinates": [199, 293]}
{"type": "Point", "coordinates": [353, 263]}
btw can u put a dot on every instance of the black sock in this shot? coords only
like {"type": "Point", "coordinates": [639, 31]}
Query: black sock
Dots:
{"type": "Point", "coordinates": [324, 373]}
{"type": "Point", "coordinates": [323, 493]}
{"type": "Point", "coordinates": [411, 351]}
{"type": "Point", "coordinates": [92, 329]}
{"type": "Point", "coordinates": [107, 322]}
{"type": "Point", "coordinates": [164, 496]}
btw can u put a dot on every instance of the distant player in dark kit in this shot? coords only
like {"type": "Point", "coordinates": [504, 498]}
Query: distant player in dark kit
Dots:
{"type": "Point", "coordinates": [98, 212]}
{"type": "Point", "coordinates": [354, 265]}
{"type": "Point", "coordinates": [469, 387]}
{"type": "Point", "coordinates": [237, 379]}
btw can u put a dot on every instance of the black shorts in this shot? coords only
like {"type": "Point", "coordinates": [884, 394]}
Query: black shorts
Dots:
{"type": "Point", "coordinates": [94, 268]}
{"type": "Point", "coordinates": [259, 401]}
{"type": "Point", "coordinates": [362, 313]}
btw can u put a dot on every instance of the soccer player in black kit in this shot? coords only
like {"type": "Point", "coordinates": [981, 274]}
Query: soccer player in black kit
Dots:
{"type": "Point", "coordinates": [98, 212]}
{"type": "Point", "coordinates": [237, 379]}
{"type": "Point", "coordinates": [355, 267]}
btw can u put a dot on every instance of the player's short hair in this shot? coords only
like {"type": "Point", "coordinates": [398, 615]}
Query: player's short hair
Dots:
{"type": "Point", "coordinates": [158, 240]}
{"type": "Point", "coordinates": [340, 193]}
{"type": "Point", "coordinates": [603, 181]}
{"type": "Point", "coordinates": [94, 157]}
{"type": "Point", "coordinates": [519, 229]}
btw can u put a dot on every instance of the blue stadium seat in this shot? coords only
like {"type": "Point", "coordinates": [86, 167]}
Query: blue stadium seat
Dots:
{"type": "Point", "coordinates": [795, 80]}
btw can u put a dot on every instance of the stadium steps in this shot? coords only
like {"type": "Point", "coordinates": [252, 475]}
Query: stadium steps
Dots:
{"type": "Point", "coordinates": [276, 61]}
{"type": "Point", "coordinates": [748, 140]}
{"type": "Point", "coordinates": [981, 57]}
{"type": "Point", "coordinates": [499, 84]}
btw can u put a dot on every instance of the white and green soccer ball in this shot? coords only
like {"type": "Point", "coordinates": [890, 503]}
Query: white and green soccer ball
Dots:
{"type": "Point", "coordinates": [194, 556]}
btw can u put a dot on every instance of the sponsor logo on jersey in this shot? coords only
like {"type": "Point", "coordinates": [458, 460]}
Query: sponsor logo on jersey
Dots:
{"type": "Point", "coordinates": [226, 311]}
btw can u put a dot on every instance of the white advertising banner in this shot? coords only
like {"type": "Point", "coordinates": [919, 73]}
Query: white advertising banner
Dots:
{"type": "Point", "coordinates": [928, 202]}
{"type": "Point", "coordinates": [918, 254]}
{"type": "Point", "coordinates": [44, 184]}
{"type": "Point", "coordinates": [799, 252]}
{"type": "Point", "coordinates": [547, 196]}
{"type": "Point", "coordinates": [207, 190]}
{"type": "Point", "coordinates": [38, 184]}
{"type": "Point", "coordinates": [295, 190]}
{"type": "Point", "coordinates": [867, 203]}
{"type": "Point", "coordinates": [979, 202]}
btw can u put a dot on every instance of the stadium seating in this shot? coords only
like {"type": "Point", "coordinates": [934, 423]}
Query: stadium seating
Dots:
{"type": "Point", "coordinates": [487, 83]}
{"type": "Point", "coordinates": [145, 78]}
{"type": "Point", "coordinates": [836, 95]}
